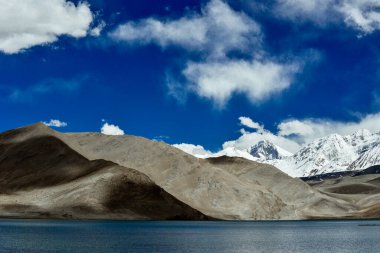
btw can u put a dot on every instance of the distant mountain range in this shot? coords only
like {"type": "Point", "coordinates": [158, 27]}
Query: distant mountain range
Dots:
{"type": "Point", "coordinates": [48, 174]}
{"type": "Point", "coordinates": [332, 153]}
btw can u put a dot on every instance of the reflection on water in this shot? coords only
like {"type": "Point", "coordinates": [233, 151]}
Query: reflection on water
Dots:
{"type": "Point", "coordinates": [115, 236]}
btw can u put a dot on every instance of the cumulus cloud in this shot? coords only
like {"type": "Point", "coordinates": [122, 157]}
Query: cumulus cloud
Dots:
{"type": "Point", "coordinates": [248, 122]}
{"type": "Point", "coordinates": [217, 30]}
{"type": "Point", "coordinates": [195, 150]}
{"type": "Point", "coordinates": [363, 15]}
{"type": "Point", "coordinates": [27, 23]}
{"type": "Point", "coordinates": [55, 123]}
{"type": "Point", "coordinates": [258, 80]}
{"type": "Point", "coordinates": [213, 36]}
{"type": "Point", "coordinates": [110, 129]}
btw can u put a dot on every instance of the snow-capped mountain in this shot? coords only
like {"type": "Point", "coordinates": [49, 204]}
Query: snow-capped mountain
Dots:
{"type": "Point", "coordinates": [265, 150]}
{"type": "Point", "coordinates": [370, 156]}
{"type": "Point", "coordinates": [333, 153]}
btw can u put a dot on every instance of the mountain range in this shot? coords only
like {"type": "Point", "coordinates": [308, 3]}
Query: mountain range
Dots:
{"type": "Point", "coordinates": [332, 153]}
{"type": "Point", "coordinates": [45, 173]}
{"type": "Point", "coordinates": [48, 174]}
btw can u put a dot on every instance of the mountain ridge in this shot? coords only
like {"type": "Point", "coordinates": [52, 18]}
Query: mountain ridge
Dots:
{"type": "Point", "coordinates": [329, 154]}
{"type": "Point", "coordinates": [181, 186]}
{"type": "Point", "coordinates": [333, 153]}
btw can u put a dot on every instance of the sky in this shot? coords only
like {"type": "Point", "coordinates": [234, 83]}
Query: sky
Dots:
{"type": "Point", "coordinates": [213, 73]}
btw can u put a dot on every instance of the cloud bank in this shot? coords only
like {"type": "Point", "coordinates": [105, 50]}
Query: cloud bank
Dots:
{"type": "Point", "coordinates": [27, 23]}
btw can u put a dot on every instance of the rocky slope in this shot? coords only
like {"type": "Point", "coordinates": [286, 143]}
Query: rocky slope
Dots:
{"type": "Point", "coordinates": [369, 156]}
{"type": "Point", "coordinates": [44, 173]}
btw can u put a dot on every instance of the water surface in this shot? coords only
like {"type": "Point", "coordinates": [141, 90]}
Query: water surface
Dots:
{"type": "Point", "coordinates": [119, 236]}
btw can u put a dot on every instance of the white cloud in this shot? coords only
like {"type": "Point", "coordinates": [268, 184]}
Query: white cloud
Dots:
{"type": "Point", "coordinates": [27, 23]}
{"type": "Point", "coordinates": [217, 30]}
{"type": "Point", "coordinates": [309, 129]}
{"type": "Point", "coordinates": [110, 129]}
{"type": "Point", "coordinates": [97, 30]}
{"type": "Point", "coordinates": [248, 122]}
{"type": "Point", "coordinates": [195, 150]}
{"type": "Point", "coordinates": [213, 34]}
{"type": "Point", "coordinates": [295, 127]}
{"type": "Point", "coordinates": [258, 80]}
{"type": "Point", "coordinates": [363, 15]}
{"type": "Point", "coordinates": [315, 10]}
{"type": "Point", "coordinates": [55, 123]}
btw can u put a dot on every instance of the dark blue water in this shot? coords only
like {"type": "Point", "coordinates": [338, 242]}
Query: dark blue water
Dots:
{"type": "Point", "coordinates": [114, 236]}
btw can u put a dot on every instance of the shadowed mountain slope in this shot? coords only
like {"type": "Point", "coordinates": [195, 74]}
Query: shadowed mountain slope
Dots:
{"type": "Point", "coordinates": [41, 176]}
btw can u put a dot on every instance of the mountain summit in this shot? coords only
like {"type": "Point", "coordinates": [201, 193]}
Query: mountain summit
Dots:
{"type": "Point", "coordinates": [265, 150]}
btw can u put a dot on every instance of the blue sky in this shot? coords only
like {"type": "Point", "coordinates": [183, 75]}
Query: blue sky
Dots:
{"type": "Point", "coordinates": [185, 71]}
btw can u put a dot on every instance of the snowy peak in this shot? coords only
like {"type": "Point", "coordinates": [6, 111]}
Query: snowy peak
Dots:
{"type": "Point", "coordinates": [265, 150]}
{"type": "Point", "coordinates": [333, 153]}
{"type": "Point", "coordinates": [362, 134]}
{"type": "Point", "coordinates": [324, 155]}
{"type": "Point", "coordinates": [361, 137]}
{"type": "Point", "coordinates": [329, 148]}
{"type": "Point", "coordinates": [369, 156]}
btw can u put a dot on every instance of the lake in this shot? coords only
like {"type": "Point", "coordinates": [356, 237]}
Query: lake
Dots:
{"type": "Point", "coordinates": [32, 236]}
